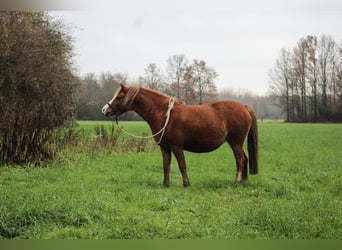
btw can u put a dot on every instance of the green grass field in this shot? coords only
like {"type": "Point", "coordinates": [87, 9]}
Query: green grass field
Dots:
{"type": "Point", "coordinates": [114, 193]}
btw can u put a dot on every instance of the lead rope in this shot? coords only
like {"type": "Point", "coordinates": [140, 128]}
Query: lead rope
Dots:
{"type": "Point", "coordinates": [162, 131]}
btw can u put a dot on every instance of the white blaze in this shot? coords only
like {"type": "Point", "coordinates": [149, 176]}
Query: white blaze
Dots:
{"type": "Point", "coordinates": [106, 106]}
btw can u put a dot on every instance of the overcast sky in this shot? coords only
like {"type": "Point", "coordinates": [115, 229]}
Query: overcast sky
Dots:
{"type": "Point", "coordinates": [239, 39]}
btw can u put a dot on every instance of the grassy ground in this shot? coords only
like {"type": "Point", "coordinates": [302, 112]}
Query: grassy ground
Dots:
{"type": "Point", "coordinates": [89, 193]}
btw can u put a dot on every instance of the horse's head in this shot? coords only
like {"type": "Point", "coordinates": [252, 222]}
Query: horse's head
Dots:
{"type": "Point", "coordinates": [121, 102]}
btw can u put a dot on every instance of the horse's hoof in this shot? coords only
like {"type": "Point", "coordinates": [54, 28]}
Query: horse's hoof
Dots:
{"type": "Point", "coordinates": [240, 181]}
{"type": "Point", "coordinates": [166, 184]}
{"type": "Point", "coordinates": [186, 184]}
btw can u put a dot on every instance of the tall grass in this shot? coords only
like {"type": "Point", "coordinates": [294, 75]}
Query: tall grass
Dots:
{"type": "Point", "coordinates": [98, 138]}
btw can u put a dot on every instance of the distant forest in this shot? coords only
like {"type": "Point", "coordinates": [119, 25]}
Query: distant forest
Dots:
{"type": "Point", "coordinates": [192, 83]}
{"type": "Point", "coordinates": [306, 80]}
{"type": "Point", "coordinates": [305, 84]}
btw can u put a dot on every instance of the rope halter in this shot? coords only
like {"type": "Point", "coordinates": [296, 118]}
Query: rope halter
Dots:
{"type": "Point", "coordinates": [162, 131]}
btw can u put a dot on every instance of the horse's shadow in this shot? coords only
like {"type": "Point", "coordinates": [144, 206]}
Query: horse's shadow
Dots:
{"type": "Point", "coordinates": [207, 184]}
{"type": "Point", "coordinates": [212, 184]}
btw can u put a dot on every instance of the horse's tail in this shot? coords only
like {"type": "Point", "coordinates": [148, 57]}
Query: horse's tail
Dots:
{"type": "Point", "coordinates": [253, 143]}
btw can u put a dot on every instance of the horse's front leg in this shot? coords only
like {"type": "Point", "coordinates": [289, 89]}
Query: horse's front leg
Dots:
{"type": "Point", "coordinates": [166, 153]}
{"type": "Point", "coordinates": [181, 164]}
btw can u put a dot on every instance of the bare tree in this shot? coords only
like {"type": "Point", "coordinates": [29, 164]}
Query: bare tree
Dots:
{"type": "Point", "coordinates": [338, 79]}
{"type": "Point", "coordinates": [312, 67]}
{"type": "Point", "coordinates": [189, 93]}
{"type": "Point", "coordinates": [280, 77]}
{"type": "Point", "coordinates": [299, 63]}
{"type": "Point", "coordinates": [176, 68]}
{"type": "Point", "coordinates": [307, 80]}
{"type": "Point", "coordinates": [153, 78]}
{"type": "Point", "coordinates": [194, 84]}
{"type": "Point", "coordinates": [326, 55]}
{"type": "Point", "coordinates": [204, 83]}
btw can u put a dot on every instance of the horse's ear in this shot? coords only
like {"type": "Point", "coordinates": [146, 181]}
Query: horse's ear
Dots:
{"type": "Point", "coordinates": [123, 87]}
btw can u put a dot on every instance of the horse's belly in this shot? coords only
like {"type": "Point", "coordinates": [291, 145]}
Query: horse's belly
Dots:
{"type": "Point", "coordinates": [201, 149]}
{"type": "Point", "coordinates": [203, 134]}
{"type": "Point", "coordinates": [204, 145]}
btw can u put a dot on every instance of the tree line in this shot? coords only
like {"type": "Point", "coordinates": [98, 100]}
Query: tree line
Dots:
{"type": "Point", "coordinates": [306, 80]}
{"type": "Point", "coordinates": [95, 90]}
{"type": "Point", "coordinates": [191, 83]}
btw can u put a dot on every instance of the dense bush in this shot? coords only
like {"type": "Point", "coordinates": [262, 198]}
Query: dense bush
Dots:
{"type": "Point", "coordinates": [37, 85]}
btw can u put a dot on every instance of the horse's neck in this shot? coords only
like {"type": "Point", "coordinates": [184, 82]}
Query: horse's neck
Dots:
{"type": "Point", "coordinates": [151, 106]}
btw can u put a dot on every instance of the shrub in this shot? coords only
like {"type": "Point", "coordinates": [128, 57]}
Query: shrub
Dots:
{"type": "Point", "coordinates": [37, 86]}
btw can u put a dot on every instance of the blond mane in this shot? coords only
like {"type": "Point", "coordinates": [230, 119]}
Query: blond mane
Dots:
{"type": "Point", "coordinates": [130, 95]}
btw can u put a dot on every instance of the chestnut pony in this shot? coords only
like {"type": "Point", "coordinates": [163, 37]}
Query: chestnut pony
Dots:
{"type": "Point", "coordinates": [199, 128]}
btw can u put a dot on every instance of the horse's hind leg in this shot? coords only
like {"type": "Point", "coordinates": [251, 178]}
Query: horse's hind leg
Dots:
{"type": "Point", "coordinates": [241, 163]}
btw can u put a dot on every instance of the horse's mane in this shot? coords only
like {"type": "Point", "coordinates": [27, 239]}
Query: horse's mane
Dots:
{"type": "Point", "coordinates": [130, 95]}
{"type": "Point", "coordinates": [155, 92]}
{"type": "Point", "coordinates": [133, 91]}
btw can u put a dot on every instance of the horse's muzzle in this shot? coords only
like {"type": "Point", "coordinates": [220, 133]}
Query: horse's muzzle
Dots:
{"type": "Point", "coordinates": [105, 110]}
